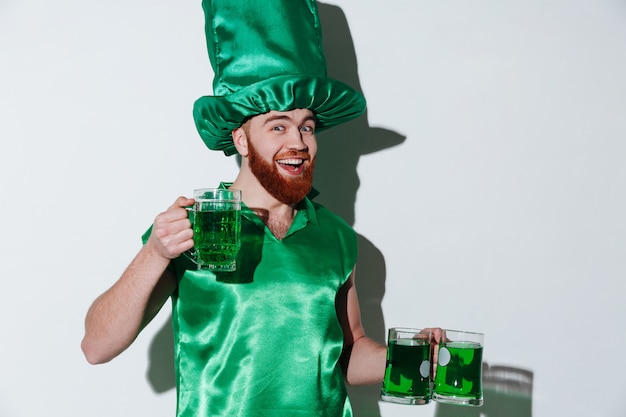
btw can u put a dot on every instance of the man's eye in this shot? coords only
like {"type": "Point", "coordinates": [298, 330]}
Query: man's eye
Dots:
{"type": "Point", "coordinates": [278, 128]}
{"type": "Point", "coordinates": [308, 129]}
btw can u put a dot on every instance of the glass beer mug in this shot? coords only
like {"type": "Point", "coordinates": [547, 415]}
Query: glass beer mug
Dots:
{"type": "Point", "coordinates": [458, 378]}
{"type": "Point", "coordinates": [216, 220]}
{"type": "Point", "coordinates": [407, 372]}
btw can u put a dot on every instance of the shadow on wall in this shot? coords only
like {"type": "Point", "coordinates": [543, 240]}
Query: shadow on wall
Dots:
{"type": "Point", "coordinates": [336, 179]}
{"type": "Point", "coordinates": [507, 392]}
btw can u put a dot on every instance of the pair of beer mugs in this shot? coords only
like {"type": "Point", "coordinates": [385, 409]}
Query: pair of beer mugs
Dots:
{"type": "Point", "coordinates": [458, 374]}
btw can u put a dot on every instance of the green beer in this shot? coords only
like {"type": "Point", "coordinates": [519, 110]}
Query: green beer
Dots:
{"type": "Point", "coordinates": [216, 238]}
{"type": "Point", "coordinates": [407, 374]}
{"type": "Point", "coordinates": [459, 373]}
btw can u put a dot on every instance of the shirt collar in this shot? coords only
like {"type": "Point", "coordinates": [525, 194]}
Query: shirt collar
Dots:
{"type": "Point", "coordinates": [306, 212]}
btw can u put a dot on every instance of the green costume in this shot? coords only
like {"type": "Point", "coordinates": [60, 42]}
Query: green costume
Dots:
{"type": "Point", "coordinates": [265, 340]}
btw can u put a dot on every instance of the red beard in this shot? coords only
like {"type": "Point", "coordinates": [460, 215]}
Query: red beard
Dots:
{"type": "Point", "coordinates": [284, 189]}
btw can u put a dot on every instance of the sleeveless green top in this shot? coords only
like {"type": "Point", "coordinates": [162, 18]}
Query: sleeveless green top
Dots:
{"type": "Point", "coordinates": [265, 340]}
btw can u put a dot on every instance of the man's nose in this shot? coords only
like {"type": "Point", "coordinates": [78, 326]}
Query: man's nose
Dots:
{"type": "Point", "coordinates": [296, 141]}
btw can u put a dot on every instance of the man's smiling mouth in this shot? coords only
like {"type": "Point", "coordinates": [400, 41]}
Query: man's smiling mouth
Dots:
{"type": "Point", "coordinates": [291, 164]}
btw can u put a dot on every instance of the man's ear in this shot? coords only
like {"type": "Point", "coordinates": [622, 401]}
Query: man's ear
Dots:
{"type": "Point", "coordinates": [241, 141]}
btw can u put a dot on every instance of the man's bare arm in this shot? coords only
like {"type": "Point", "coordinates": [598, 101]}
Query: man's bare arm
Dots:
{"type": "Point", "coordinates": [363, 359]}
{"type": "Point", "coordinates": [117, 316]}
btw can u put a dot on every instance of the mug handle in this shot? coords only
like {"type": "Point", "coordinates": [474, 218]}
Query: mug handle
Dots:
{"type": "Point", "coordinates": [191, 253]}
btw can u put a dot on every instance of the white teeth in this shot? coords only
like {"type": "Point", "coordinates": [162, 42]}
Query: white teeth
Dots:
{"type": "Point", "coordinates": [290, 161]}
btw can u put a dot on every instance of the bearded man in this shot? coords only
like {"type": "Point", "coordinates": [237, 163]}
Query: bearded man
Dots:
{"type": "Point", "coordinates": [285, 342]}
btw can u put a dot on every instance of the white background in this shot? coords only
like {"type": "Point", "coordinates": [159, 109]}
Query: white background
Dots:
{"type": "Point", "coordinates": [487, 182]}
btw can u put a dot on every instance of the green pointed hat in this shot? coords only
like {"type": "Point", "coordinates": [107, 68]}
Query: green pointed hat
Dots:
{"type": "Point", "coordinates": [267, 55]}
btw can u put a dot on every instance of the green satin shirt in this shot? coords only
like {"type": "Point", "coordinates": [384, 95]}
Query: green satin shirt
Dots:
{"type": "Point", "coordinates": [265, 340]}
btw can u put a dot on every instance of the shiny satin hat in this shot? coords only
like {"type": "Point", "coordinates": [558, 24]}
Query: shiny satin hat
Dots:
{"type": "Point", "coordinates": [267, 55]}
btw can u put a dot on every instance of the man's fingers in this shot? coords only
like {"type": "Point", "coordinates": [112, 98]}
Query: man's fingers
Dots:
{"type": "Point", "coordinates": [181, 241]}
{"type": "Point", "coordinates": [182, 202]}
{"type": "Point", "coordinates": [174, 238]}
{"type": "Point", "coordinates": [169, 225]}
{"type": "Point", "coordinates": [174, 212]}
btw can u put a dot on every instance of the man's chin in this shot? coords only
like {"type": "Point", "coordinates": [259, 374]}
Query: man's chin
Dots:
{"type": "Point", "coordinates": [292, 195]}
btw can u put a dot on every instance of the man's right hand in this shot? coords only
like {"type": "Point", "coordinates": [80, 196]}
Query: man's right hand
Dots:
{"type": "Point", "coordinates": [171, 231]}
